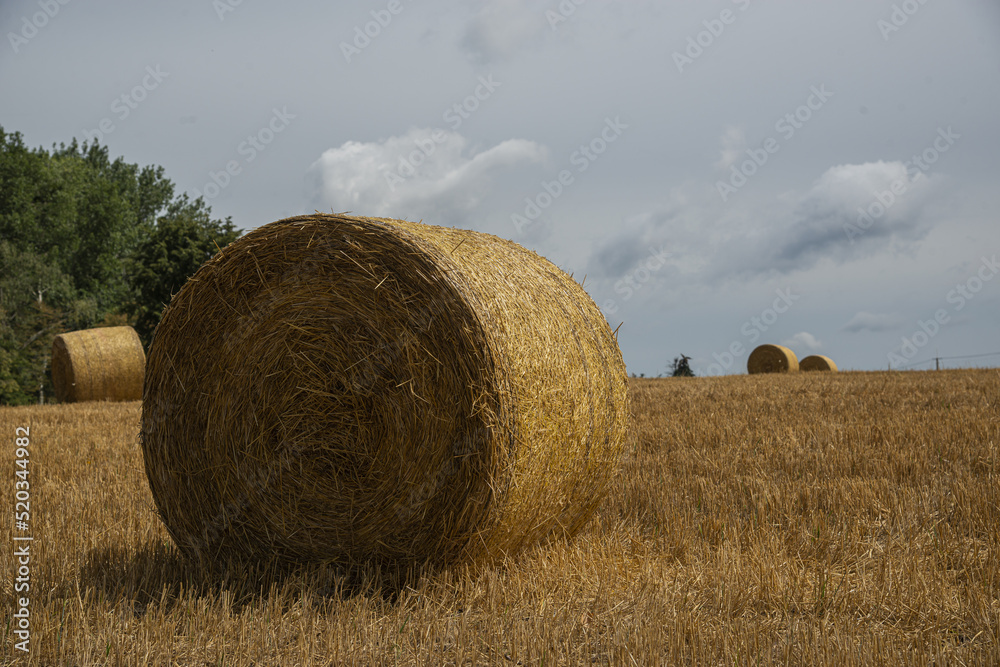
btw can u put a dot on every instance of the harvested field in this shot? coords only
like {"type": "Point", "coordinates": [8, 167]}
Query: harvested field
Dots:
{"type": "Point", "coordinates": [832, 518]}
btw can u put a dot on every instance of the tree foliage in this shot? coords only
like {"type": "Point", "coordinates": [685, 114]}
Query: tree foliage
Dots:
{"type": "Point", "coordinates": [681, 368]}
{"type": "Point", "coordinates": [86, 241]}
{"type": "Point", "coordinates": [184, 238]}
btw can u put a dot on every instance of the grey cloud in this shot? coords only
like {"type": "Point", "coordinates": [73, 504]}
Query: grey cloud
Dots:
{"type": "Point", "coordinates": [618, 256]}
{"type": "Point", "coordinates": [624, 251]}
{"type": "Point", "coordinates": [823, 223]}
{"type": "Point", "coordinates": [502, 28]}
{"type": "Point", "coordinates": [803, 340]}
{"type": "Point", "coordinates": [715, 243]}
{"type": "Point", "coordinates": [873, 322]}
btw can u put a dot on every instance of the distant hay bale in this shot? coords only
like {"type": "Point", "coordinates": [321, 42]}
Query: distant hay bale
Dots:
{"type": "Point", "coordinates": [817, 362]}
{"type": "Point", "coordinates": [104, 364]}
{"type": "Point", "coordinates": [343, 389]}
{"type": "Point", "coordinates": [772, 359]}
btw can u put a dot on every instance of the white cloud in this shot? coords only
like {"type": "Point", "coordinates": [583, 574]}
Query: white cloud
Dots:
{"type": "Point", "coordinates": [423, 173]}
{"type": "Point", "coordinates": [751, 238]}
{"type": "Point", "coordinates": [853, 185]}
{"type": "Point", "coordinates": [822, 222]}
{"type": "Point", "coordinates": [801, 340]}
{"type": "Point", "coordinates": [875, 322]}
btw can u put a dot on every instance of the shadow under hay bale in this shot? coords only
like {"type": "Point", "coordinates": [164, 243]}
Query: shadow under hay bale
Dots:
{"type": "Point", "coordinates": [817, 362]}
{"type": "Point", "coordinates": [772, 359]}
{"type": "Point", "coordinates": [104, 364]}
{"type": "Point", "coordinates": [155, 576]}
{"type": "Point", "coordinates": [332, 388]}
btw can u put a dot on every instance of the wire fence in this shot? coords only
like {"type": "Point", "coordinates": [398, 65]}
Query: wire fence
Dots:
{"type": "Point", "coordinates": [937, 360]}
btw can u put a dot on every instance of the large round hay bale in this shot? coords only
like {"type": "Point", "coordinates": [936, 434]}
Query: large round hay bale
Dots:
{"type": "Point", "coordinates": [344, 389]}
{"type": "Point", "coordinates": [772, 359]}
{"type": "Point", "coordinates": [104, 364]}
{"type": "Point", "coordinates": [817, 362]}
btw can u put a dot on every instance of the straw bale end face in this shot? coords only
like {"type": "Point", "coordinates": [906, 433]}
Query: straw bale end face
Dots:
{"type": "Point", "coordinates": [336, 388]}
{"type": "Point", "coordinates": [772, 359]}
{"type": "Point", "coordinates": [103, 364]}
{"type": "Point", "coordinates": [817, 362]}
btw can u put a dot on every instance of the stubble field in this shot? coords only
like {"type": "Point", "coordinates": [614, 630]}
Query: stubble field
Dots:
{"type": "Point", "coordinates": [849, 518]}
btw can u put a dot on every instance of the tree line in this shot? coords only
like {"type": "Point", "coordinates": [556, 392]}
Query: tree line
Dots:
{"type": "Point", "coordinates": [87, 241]}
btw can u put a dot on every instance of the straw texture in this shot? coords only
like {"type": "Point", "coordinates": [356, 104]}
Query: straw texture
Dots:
{"type": "Point", "coordinates": [336, 388]}
{"type": "Point", "coordinates": [104, 364]}
{"type": "Point", "coordinates": [817, 362]}
{"type": "Point", "coordinates": [772, 359]}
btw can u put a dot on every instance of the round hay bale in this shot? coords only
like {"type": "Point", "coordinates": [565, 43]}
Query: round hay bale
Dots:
{"type": "Point", "coordinates": [342, 389]}
{"type": "Point", "coordinates": [104, 364]}
{"type": "Point", "coordinates": [817, 362]}
{"type": "Point", "coordinates": [772, 359]}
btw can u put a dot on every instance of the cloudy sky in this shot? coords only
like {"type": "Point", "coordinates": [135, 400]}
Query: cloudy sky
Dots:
{"type": "Point", "coordinates": [725, 174]}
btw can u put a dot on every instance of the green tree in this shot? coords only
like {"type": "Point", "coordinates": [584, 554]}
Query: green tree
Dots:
{"type": "Point", "coordinates": [76, 232]}
{"type": "Point", "coordinates": [184, 239]}
{"type": "Point", "coordinates": [37, 301]}
{"type": "Point", "coordinates": [681, 368]}
{"type": "Point", "coordinates": [80, 211]}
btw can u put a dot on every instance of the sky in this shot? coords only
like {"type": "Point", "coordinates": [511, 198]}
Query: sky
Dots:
{"type": "Point", "coordinates": [719, 175]}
